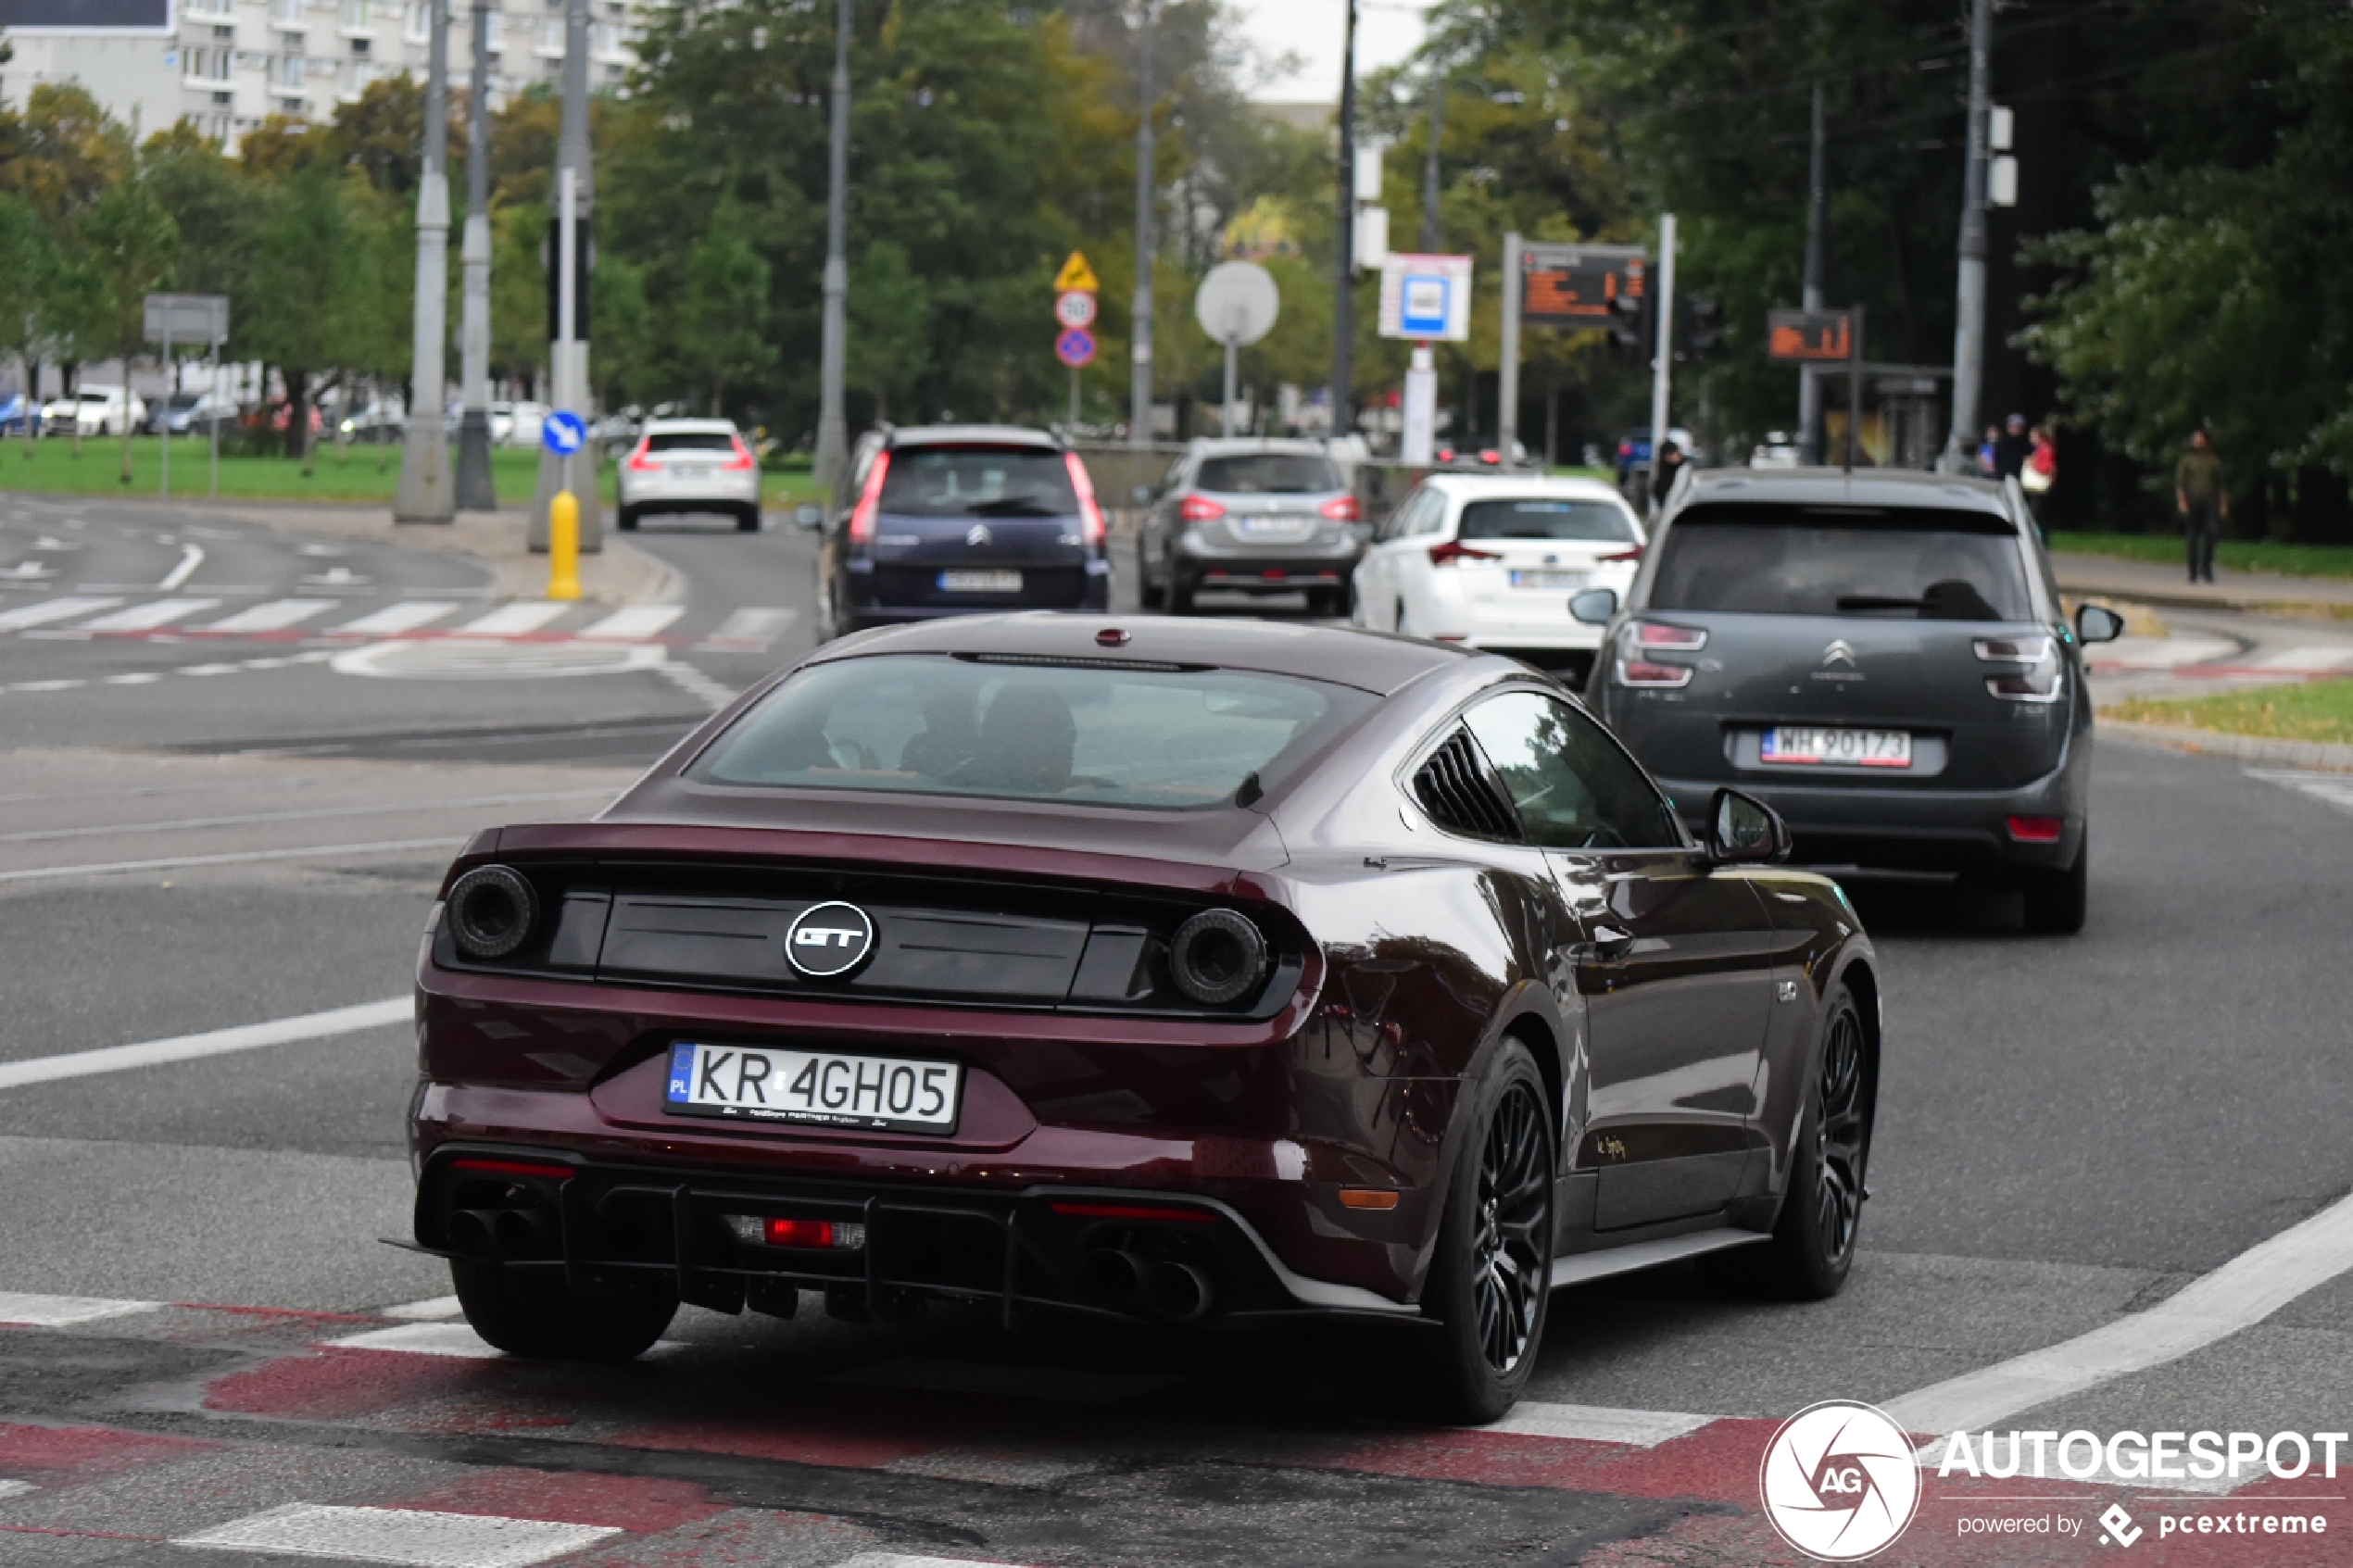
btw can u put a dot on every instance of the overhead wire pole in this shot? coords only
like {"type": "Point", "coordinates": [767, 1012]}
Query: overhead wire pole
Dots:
{"type": "Point", "coordinates": [1662, 366]}
{"type": "Point", "coordinates": [475, 491]}
{"type": "Point", "coordinates": [1344, 293]}
{"type": "Point", "coordinates": [1969, 316]}
{"type": "Point", "coordinates": [1818, 230]}
{"type": "Point", "coordinates": [1430, 237]}
{"type": "Point", "coordinates": [833, 430]}
{"type": "Point", "coordinates": [426, 493]}
{"type": "Point", "coordinates": [568, 350]}
{"type": "Point", "coordinates": [1142, 308]}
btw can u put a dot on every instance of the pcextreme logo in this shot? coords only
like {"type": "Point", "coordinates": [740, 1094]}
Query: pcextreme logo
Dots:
{"type": "Point", "coordinates": [1839, 1481]}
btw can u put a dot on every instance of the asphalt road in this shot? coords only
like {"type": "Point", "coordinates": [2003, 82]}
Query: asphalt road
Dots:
{"type": "Point", "coordinates": [2071, 1132]}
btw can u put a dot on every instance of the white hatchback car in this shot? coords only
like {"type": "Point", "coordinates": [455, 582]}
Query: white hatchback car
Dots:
{"type": "Point", "coordinates": [94, 410]}
{"type": "Point", "coordinates": [1490, 561]}
{"type": "Point", "coordinates": [690, 466]}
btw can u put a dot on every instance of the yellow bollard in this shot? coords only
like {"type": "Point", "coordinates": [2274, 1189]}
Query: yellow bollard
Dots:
{"type": "Point", "coordinates": [563, 547]}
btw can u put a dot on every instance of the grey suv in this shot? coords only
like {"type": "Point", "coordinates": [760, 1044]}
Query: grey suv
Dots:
{"type": "Point", "coordinates": [1261, 516]}
{"type": "Point", "coordinates": [1882, 657]}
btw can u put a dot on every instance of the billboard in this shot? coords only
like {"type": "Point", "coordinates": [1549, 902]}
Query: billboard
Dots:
{"type": "Point", "coordinates": [34, 17]}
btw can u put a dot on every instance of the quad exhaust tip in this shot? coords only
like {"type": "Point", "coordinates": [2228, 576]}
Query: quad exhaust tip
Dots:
{"type": "Point", "coordinates": [1178, 1292]}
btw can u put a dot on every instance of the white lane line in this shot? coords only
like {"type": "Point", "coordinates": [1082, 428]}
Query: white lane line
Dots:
{"type": "Point", "coordinates": [636, 623]}
{"type": "Point", "coordinates": [191, 556]}
{"type": "Point", "coordinates": [407, 1538]}
{"type": "Point", "coordinates": [393, 620]}
{"type": "Point", "coordinates": [47, 610]}
{"type": "Point", "coordinates": [174, 862]}
{"type": "Point", "coordinates": [313, 814]}
{"type": "Point", "coordinates": [434, 1309]}
{"type": "Point", "coordinates": [213, 1042]}
{"type": "Point", "coordinates": [62, 1312]}
{"type": "Point", "coordinates": [2337, 789]}
{"type": "Point", "coordinates": [1596, 1424]}
{"type": "Point", "coordinates": [2239, 1294]}
{"type": "Point", "coordinates": [148, 615]}
{"type": "Point", "coordinates": [748, 630]}
{"type": "Point", "coordinates": [275, 616]}
{"type": "Point", "coordinates": [515, 619]}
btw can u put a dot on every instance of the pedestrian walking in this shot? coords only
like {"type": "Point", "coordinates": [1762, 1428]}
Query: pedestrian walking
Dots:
{"type": "Point", "coordinates": [1669, 467]}
{"type": "Point", "coordinates": [2040, 471]}
{"type": "Point", "coordinates": [1985, 450]}
{"type": "Point", "coordinates": [2011, 447]}
{"type": "Point", "coordinates": [2204, 501]}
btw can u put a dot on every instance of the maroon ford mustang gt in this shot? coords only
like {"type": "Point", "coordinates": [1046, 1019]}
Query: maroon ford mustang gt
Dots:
{"type": "Point", "coordinates": [1166, 970]}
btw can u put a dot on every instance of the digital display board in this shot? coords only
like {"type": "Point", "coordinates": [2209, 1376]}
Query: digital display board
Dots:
{"type": "Point", "coordinates": [1579, 285]}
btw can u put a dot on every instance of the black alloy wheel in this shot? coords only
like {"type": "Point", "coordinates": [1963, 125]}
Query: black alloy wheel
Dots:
{"type": "Point", "coordinates": [1813, 1243]}
{"type": "Point", "coordinates": [1491, 1279]}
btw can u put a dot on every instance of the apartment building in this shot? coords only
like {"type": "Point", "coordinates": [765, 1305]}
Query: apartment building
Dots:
{"type": "Point", "coordinates": [229, 64]}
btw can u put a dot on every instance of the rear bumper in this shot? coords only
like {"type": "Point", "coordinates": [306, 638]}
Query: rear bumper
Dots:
{"type": "Point", "coordinates": [1855, 824]}
{"type": "Point", "coordinates": [654, 493]}
{"type": "Point", "coordinates": [606, 1225]}
{"type": "Point", "coordinates": [1248, 576]}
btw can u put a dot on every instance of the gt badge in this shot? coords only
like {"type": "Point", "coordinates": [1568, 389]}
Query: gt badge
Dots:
{"type": "Point", "coordinates": [829, 940]}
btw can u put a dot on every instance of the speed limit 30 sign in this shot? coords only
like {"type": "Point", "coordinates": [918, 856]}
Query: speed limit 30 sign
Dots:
{"type": "Point", "coordinates": [1074, 308]}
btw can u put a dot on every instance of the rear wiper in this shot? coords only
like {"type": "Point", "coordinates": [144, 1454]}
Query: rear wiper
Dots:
{"type": "Point", "coordinates": [1013, 506]}
{"type": "Point", "coordinates": [1869, 601]}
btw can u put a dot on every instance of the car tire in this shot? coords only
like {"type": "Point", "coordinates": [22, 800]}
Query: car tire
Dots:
{"type": "Point", "coordinates": [2057, 901]}
{"type": "Point", "coordinates": [1814, 1238]}
{"type": "Point", "coordinates": [1180, 594]}
{"type": "Point", "coordinates": [531, 1314]}
{"type": "Point", "coordinates": [626, 520]}
{"type": "Point", "coordinates": [1490, 1277]}
{"type": "Point", "coordinates": [1149, 593]}
{"type": "Point", "coordinates": [747, 520]}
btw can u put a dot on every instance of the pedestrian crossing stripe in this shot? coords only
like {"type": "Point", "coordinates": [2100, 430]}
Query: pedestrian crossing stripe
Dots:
{"type": "Point", "coordinates": [149, 616]}
{"type": "Point", "coordinates": [749, 629]}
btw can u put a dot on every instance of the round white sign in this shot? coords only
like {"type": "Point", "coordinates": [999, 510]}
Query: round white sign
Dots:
{"type": "Point", "coordinates": [1236, 303]}
{"type": "Point", "coordinates": [1074, 308]}
{"type": "Point", "coordinates": [1839, 1481]}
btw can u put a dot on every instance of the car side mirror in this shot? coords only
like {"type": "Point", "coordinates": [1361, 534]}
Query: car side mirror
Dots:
{"type": "Point", "coordinates": [1742, 829]}
{"type": "Point", "coordinates": [2097, 623]}
{"type": "Point", "coordinates": [808, 515]}
{"type": "Point", "coordinates": [1142, 495]}
{"type": "Point", "coordinates": [1594, 606]}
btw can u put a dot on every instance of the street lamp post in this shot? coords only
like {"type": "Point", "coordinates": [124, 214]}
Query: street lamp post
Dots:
{"type": "Point", "coordinates": [1344, 290]}
{"type": "Point", "coordinates": [833, 430]}
{"type": "Point", "coordinates": [1969, 318]}
{"type": "Point", "coordinates": [1139, 331]}
{"type": "Point", "coordinates": [475, 491]}
{"type": "Point", "coordinates": [568, 352]}
{"type": "Point", "coordinates": [424, 493]}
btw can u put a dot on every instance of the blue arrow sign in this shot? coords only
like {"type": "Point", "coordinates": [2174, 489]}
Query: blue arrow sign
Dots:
{"type": "Point", "coordinates": [564, 432]}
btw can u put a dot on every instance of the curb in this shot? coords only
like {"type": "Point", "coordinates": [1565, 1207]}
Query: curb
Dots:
{"type": "Point", "coordinates": [2244, 748]}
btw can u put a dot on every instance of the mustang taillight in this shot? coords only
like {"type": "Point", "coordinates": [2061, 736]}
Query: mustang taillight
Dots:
{"type": "Point", "coordinates": [491, 910]}
{"type": "Point", "coordinates": [1453, 550]}
{"type": "Point", "coordinates": [869, 507]}
{"type": "Point", "coordinates": [1659, 634]}
{"type": "Point", "coordinates": [755, 1230]}
{"type": "Point", "coordinates": [2040, 682]}
{"type": "Point", "coordinates": [1090, 515]}
{"type": "Point", "coordinates": [1342, 509]}
{"type": "Point", "coordinates": [1199, 509]}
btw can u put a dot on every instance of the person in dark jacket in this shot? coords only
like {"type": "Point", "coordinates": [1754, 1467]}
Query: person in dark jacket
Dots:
{"type": "Point", "coordinates": [2012, 448]}
{"type": "Point", "coordinates": [1664, 473]}
{"type": "Point", "coordinates": [2204, 502]}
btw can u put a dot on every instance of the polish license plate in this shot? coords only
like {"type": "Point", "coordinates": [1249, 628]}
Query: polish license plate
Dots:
{"type": "Point", "coordinates": [1277, 527]}
{"type": "Point", "coordinates": [1543, 579]}
{"type": "Point", "coordinates": [1807, 747]}
{"type": "Point", "coordinates": [980, 582]}
{"type": "Point", "coordinates": [826, 1089]}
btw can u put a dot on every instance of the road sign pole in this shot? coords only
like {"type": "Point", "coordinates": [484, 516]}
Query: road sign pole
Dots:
{"type": "Point", "coordinates": [1233, 357]}
{"type": "Point", "coordinates": [1508, 365]}
{"type": "Point", "coordinates": [166, 421]}
{"type": "Point", "coordinates": [1663, 369]}
{"type": "Point", "coordinates": [213, 423]}
{"type": "Point", "coordinates": [1074, 400]}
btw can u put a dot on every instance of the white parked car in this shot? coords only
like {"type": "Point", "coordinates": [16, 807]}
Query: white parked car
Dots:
{"type": "Point", "coordinates": [690, 466]}
{"type": "Point", "coordinates": [525, 423]}
{"type": "Point", "coordinates": [1491, 560]}
{"type": "Point", "coordinates": [94, 410]}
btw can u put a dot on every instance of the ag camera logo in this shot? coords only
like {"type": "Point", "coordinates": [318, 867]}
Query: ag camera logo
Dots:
{"type": "Point", "coordinates": [829, 940]}
{"type": "Point", "coordinates": [1839, 1481]}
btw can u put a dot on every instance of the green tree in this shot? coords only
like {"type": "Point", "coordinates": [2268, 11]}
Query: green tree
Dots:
{"type": "Point", "coordinates": [128, 242]}
{"type": "Point", "coordinates": [27, 268]}
{"type": "Point", "coordinates": [297, 277]}
{"type": "Point", "coordinates": [889, 323]}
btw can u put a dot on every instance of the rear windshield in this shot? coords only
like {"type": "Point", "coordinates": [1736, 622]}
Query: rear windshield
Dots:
{"type": "Point", "coordinates": [1546, 518]}
{"type": "Point", "coordinates": [1268, 473]}
{"type": "Point", "coordinates": [978, 482]}
{"type": "Point", "coordinates": [690, 441]}
{"type": "Point", "coordinates": [1914, 564]}
{"type": "Point", "coordinates": [1090, 734]}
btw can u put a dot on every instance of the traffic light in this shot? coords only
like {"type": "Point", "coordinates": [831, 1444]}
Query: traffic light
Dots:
{"type": "Point", "coordinates": [1629, 326]}
{"type": "Point", "coordinates": [1699, 332]}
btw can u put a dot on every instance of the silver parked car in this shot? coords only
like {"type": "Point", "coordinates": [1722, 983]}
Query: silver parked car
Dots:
{"type": "Point", "coordinates": [1260, 516]}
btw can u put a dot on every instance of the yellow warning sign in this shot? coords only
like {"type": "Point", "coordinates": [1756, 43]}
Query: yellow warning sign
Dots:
{"type": "Point", "coordinates": [1076, 276]}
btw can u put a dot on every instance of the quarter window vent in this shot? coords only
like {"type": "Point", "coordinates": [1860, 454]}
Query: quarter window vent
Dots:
{"type": "Point", "coordinates": [1461, 794]}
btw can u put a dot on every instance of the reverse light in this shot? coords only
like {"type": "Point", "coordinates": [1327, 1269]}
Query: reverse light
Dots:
{"type": "Point", "coordinates": [2037, 830]}
{"type": "Point", "coordinates": [1642, 672]}
{"type": "Point", "coordinates": [1199, 509]}
{"type": "Point", "coordinates": [1342, 509]}
{"type": "Point", "coordinates": [1659, 634]}
{"type": "Point", "coordinates": [743, 458]}
{"type": "Point", "coordinates": [1090, 516]}
{"type": "Point", "coordinates": [641, 460]}
{"type": "Point", "coordinates": [2039, 683]}
{"type": "Point", "coordinates": [1452, 550]}
{"type": "Point", "coordinates": [869, 507]}
{"type": "Point", "coordinates": [835, 1236]}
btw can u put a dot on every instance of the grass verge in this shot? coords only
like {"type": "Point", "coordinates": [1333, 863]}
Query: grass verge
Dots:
{"type": "Point", "coordinates": [2239, 555]}
{"type": "Point", "coordinates": [2313, 711]}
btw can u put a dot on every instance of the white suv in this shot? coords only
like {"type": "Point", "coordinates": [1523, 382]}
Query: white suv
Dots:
{"type": "Point", "coordinates": [94, 410]}
{"type": "Point", "coordinates": [1490, 561]}
{"type": "Point", "coordinates": [690, 466]}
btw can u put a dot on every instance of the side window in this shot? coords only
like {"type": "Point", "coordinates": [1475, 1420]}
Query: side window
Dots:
{"type": "Point", "coordinates": [1175, 477]}
{"type": "Point", "coordinates": [1401, 522]}
{"type": "Point", "coordinates": [853, 479]}
{"type": "Point", "coordinates": [1573, 786]}
{"type": "Point", "coordinates": [1432, 517]}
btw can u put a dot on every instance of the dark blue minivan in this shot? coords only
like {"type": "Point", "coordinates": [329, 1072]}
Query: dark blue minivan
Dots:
{"type": "Point", "coordinates": [956, 519]}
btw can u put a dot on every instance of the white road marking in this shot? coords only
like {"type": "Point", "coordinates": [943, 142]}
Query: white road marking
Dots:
{"type": "Point", "coordinates": [63, 1312]}
{"type": "Point", "coordinates": [2239, 1294]}
{"type": "Point", "coordinates": [47, 610]}
{"type": "Point", "coordinates": [696, 684]}
{"type": "Point", "coordinates": [136, 678]}
{"type": "Point", "coordinates": [275, 616]}
{"type": "Point", "coordinates": [432, 1310]}
{"type": "Point", "coordinates": [2304, 659]}
{"type": "Point", "coordinates": [213, 1042]}
{"type": "Point", "coordinates": [515, 620]}
{"type": "Point", "coordinates": [16, 1488]}
{"type": "Point", "coordinates": [748, 630]}
{"type": "Point", "coordinates": [1596, 1424]}
{"type": "Point", "coordinates": [191, 556]}
{"type": "Point", "coordinates": [636, 623]}
{"type": "Point", "coordinates": [312, 814]}
{"type": "Point", "coordinates": [406, 1538]}
{"type": "Point", "coordinates": [175, 862]}
{"type": "Point", "coordinates": [423, 1339]}
{"type": "Point", "coordinates": [148, 615]}
{"type": "Point", "coordinates": [393, 620]}
{"type": "Point", "coordinates": [2337, 789]}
